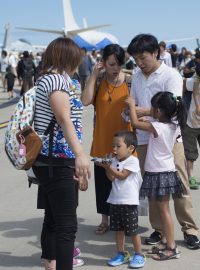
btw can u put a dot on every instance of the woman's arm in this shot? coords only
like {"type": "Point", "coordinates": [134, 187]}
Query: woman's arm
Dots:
{"type": "Point", "coordinates": [60, 104]}
{"type": "Point", "coordinates": [134, 119]}
{"type": "Point", "coordinates": [89, 90]}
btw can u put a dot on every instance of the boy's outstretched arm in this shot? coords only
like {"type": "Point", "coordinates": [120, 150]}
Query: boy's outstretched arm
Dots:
{"type": "Point", "coordinates": [113, 173]}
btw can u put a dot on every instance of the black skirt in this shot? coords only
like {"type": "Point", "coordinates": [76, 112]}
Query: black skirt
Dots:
{"type": "Point", "coordinates": [159, 186]}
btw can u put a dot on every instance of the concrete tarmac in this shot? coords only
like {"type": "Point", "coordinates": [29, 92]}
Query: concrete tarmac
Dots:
{"type": "Point", "coordinates": [20, 221]}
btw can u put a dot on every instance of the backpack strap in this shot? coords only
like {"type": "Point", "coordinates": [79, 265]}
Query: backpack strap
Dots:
{"type": "Point", "coordinates": [49, 131]}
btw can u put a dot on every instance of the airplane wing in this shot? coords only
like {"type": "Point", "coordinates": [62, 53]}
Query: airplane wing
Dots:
{"type": "Point", "coordinates": [70, 33]}
{"type": "Point", "coordinates": [42, 30]}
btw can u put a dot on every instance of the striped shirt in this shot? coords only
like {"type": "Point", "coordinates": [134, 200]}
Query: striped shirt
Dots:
{"type": "Point", "coordinates": [43, 113]}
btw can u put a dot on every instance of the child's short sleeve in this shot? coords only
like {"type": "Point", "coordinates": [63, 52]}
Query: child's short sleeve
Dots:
{"type": "Point", "coordinates": [157, 127]}
{"type": "Point", "coordinates": [132, 165]}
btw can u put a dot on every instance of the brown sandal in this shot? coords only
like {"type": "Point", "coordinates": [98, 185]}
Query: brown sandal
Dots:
{"type": "Point", "coordinates": [102, 228]}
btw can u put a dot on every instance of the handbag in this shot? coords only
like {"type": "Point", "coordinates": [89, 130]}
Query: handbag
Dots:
{"type": "Point", "coordinates": [30, 145]}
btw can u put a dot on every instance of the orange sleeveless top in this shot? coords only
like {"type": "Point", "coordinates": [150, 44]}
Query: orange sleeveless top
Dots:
{"type": "Point", "coordinates": [108, 117]}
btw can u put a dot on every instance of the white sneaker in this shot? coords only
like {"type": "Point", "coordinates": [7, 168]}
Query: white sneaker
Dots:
{"type": "Point", "coordinates": [77, 262]}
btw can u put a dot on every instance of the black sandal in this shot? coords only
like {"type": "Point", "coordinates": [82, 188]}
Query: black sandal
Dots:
{"type": "Point", "coordinates": [156, 249]}
{"type": "Point", "coordinates": [161, 256]}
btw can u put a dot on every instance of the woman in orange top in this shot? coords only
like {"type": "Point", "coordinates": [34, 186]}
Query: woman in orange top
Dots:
{"type": "Point", "coordinates": [108, 98]}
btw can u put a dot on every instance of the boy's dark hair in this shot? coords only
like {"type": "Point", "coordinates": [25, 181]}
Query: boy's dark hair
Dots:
{"type": "Point", "coordinates": [116, 50]}
{"type": "Point", "coordinates": [128, 136]}
{"type": "Point", "coordinates": [171, 106]}
{"type": "Point", "coordinates": [143, 43]}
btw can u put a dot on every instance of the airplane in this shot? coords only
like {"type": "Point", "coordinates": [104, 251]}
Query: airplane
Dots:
{"type": "Point", "coordinates": [71, 28]}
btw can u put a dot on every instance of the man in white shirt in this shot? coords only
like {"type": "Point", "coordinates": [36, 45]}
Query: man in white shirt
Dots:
{"type": "Point", "coordinates": [3, 67]}
{"type": "Point", "coordinates": [152, 77]}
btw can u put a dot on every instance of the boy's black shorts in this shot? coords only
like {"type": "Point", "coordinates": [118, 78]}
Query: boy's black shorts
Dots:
{"type": "Point", "coordinates": [124, 218]}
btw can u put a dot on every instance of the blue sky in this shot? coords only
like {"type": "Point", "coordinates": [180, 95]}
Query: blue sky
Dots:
{"type": "Point", "coordinates": [172, 19]}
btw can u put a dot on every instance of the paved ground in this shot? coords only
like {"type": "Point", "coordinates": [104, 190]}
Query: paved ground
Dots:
{"type": "Point", "coordinates": [20, 221]}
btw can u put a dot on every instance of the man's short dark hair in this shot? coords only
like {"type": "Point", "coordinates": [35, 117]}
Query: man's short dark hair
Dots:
{"type": "Point", "coordinates": [143, 43]}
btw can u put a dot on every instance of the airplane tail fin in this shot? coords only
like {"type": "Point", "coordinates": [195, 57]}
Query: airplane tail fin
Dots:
{"type": "Point", "coordinates": [69, 19]}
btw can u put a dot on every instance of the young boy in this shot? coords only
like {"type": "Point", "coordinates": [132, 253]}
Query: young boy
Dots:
{"type": "Point", "coordinates": [124, 172]}
{"type": "Point", "coordinates": [191, 132]}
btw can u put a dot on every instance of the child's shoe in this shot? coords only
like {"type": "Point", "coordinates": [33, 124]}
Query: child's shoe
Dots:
{"type": "Point", "coordinates": [77, 262]}
{"type": "Point", "coordinates": [137, 261]}
{"type": "Point", "coordinates": [193, 183]}
{"type": "Point", "coordinates": [119, 259]}
{"type": "Point", "coordinates": [77, 252]}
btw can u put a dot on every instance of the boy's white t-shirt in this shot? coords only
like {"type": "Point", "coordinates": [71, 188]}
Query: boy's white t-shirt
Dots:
{"type": "Point", "coordinates": [159, 156]}
{"type": "Point", "coordinates": [126, 191]}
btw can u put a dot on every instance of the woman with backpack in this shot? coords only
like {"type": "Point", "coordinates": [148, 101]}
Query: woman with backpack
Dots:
{"type": "Point", "coordinates": [62, 160]}
{"type": "Point", "coordinates": [107, 88]}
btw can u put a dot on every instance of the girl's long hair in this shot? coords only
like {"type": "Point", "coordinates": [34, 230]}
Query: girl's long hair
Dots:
{"type": "Point", "coordinates": [171, 106]}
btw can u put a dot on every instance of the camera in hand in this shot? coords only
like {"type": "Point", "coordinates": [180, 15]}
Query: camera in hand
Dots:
{"type": "Point", "coordinates": [101, 160]}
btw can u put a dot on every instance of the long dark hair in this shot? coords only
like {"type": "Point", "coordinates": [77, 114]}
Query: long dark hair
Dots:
{"type": "Point", "coordinates": [171, 106]}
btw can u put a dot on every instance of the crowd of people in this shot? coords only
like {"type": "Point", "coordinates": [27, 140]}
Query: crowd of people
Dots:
{"type": "Point", "coordinates": [146, 128]}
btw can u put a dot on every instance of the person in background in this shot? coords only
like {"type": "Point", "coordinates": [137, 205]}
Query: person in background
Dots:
{"type": "Point", "coordinates": [189, 68]}
{"type": "Point", "coordinates": [4, 63]}
{"type": "Point", "coordinates": [181, 58]}
{"type": "Point", "coordinates": [164, 55]}
{"type": "Point", "coordinates": [85, 67]}
{"type": "Point", "coordinates": [152, 77]}
{"type": "Point", "coordinates": [10, 79]}
{"type": "Point", "coordinates": [62, 161]}
{"type": "Point", "coordinates": [107, 88]}
{"type": "Point", "coordinates": [129, 64]}
{"type": "Point", "coordinates": [26, 70]}
{"type": "Point", "coordinates": [174, 55]}
{"type": "Point", "coordinates": [12, 61]}
{"type": "Point", "coordinates": [191, 132]}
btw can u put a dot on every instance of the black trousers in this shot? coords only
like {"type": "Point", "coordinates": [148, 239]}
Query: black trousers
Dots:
{"type": "Point", "coordinates": [60, 221]}
{"type": "Point", "coordinates": [102, 187]}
